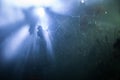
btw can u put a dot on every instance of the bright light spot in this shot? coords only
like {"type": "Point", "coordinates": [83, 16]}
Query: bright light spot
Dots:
{"type": "Point", "coordinates": [82, 1]}
{"type": "Point", "coordinates": [44, 26]}
{"type": "Point", "coordinates": [106, 12]}
{"type": "Point", "coordinates": [39, 12]}
{"type": "Point", "coordinates": [13, 42]}
{"type": "Point", "coordinates": [43, 19]}
{"type": "Point", "coordinates": [58, 6]}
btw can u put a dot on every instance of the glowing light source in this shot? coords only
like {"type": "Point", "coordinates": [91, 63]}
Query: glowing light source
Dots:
{"type": "Point", "coordinates": [43, 20]}
{"type": "Point", "coordinates": [39, 12]}
{"type": "Point", "coordinates": [82, 1]}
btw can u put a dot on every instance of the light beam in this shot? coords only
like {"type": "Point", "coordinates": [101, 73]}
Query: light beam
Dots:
{"type": "Point", "coordinates": [12, 44]}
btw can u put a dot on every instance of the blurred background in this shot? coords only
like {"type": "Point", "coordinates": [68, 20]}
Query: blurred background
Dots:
{"type": "Point", "coordinates": [59, 40]}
